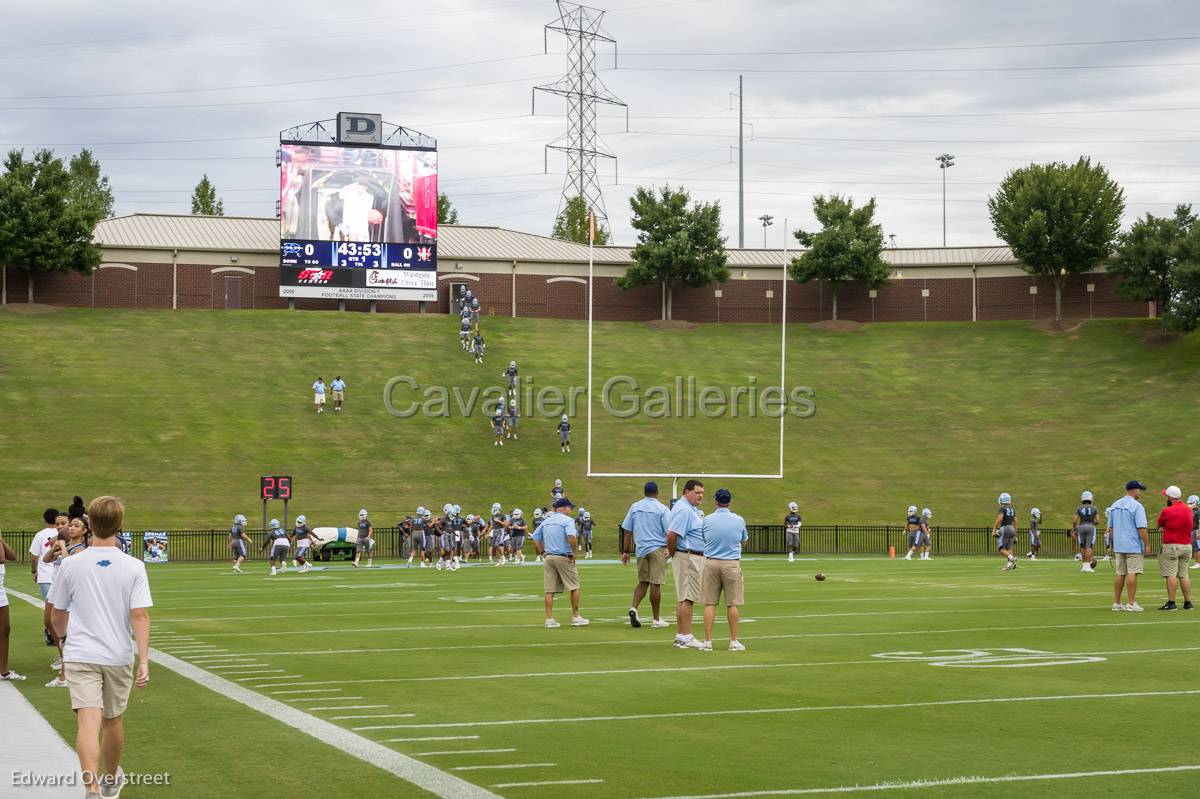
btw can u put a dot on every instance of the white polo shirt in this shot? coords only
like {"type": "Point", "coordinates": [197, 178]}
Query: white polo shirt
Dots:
{"type": "Point", "coordinates": [99, 587]}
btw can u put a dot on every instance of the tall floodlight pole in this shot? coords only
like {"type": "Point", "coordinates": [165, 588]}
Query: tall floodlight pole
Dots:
{"type": "Point", "coordinates": [583, 91]}
{"type": "Point", "coordinates": [945, 161]}
{"type": "Point", "coordinates": [767, 220]}
{"type": "Point", "coordinates": [741, 173]}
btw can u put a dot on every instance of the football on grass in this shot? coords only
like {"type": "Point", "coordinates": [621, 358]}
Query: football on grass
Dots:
{"type": "Point", "coordinates": [820, 577]}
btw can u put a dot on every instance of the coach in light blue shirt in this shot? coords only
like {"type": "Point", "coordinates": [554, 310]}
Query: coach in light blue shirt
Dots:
{"type": "Point", "coordinates": [555, 539]}
{"type": "Point", "coordinates": [724, 536]}
{"type": "Point", "coordinates": [646, 525]}
{"type": "Point", "coordinates": [685, 540]}
{"type": "Point", "coordinates": [1126, 519]}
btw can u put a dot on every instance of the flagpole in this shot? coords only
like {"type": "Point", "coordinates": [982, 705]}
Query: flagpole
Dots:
{"type": "Point", "coordinates": [591, 245]}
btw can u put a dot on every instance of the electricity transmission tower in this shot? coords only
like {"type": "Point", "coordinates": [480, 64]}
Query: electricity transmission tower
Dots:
{"type": "Point", "coordinates": [583, 91]}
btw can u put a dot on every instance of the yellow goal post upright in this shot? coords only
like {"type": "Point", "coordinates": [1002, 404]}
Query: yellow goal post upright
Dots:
{"type": "Point", "coordinates": [675, 476]}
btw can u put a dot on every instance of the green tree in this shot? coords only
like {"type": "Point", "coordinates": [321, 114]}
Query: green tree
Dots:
{"type": "Point", "coordinates": [1147, 257]}
{"type": "Point", "coordinates": [49, 212]}
{"type": "Point", "coordinates": [677, 244]}
{"type": "Point", "coordinates": [848, 246]}
{"type": "Point", "coordinates": [205, 201]}
{"type": "Point", "coordinates": [447, 213]}
{"type": "Point", "coordinates": [1059, 219]}
{"type": "Point", "coordinates": [572, 224]}
{"type": "Point", "coordinates": [1183, 305]}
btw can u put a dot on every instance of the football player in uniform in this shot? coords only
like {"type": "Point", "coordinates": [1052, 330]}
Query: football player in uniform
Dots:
{"type": "Point", "coordinates": [1004, 530]}
{"type": "Point", "coordinates": [498, 533]}
{"type": "Point", "coordinates": [474, 313]}
{"type": "Point", "coordinates": [464, 333]}
{"type": "Point", "coordinates": [538, 515]}
{"type": "Point", "coordinates": [557, 491]}
{"type": "Point", "coordinates": [405, 527]}
{"type": "Point", "coordinates": [564, 435]}
{"type": "Point", "coordinates": [511, 374]}
{"type": "Point", "coordinates": [418, 537]}
{"type": "Point", "coordinates": [1193, 502]}
{"type": "Point", "coordinates": [277, 540]}
{"type": "Point", "coordinates": [302, 537]}
{"type": "Point", "coordinates": [1035, 534]}
{"type": "Point", "coordinates": [478, 347]}
{"type": "Point", "coordinates": [514, 419]}
{"type": "Point", "coordinates": [1084, 528]}
{"type": "Point", "coordinates": [926, 534]}
{"type": "Point", "coordinates": [366, 541]}
{"type": "Point", "coordinates": [498, 426]}
{"type": "Point", "coordinates": [791, 526]}
{"type": "Point", "coordinates": [586, 524]}
{"type": "Point", "coordinates": [518, 528]}
{"type": "Point", "coordinates": [431, 537]}
{"type": "Point", "coordinates": [238, 542]}
{"type": "Point", "coordinates": [456, 537]}
{"type": "Point", "coordinates": [913, 526]}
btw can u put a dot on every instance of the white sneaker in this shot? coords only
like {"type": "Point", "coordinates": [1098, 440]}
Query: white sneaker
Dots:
{"type": "Point", "coordinates": [1108, 557]}
{"type": "Point", "coordinates": [113, 791]}
{"type": "Point", "coordinates": [791, 558]}
{"type": "Point", "coordinates": [295, 565]}
{"type": "Point", "coordinates": [423, 564]}
{"type": "Point", "coordinates": [1134, 607]}
{"type": "Point", "coordinates": [237, 569]}
{"type": "Point", "coordinates": [551, 624]}
{"type": "Point", "coordinates": [579, 621]}
{"type": "Point", "coordinates": [56, 683]}
{"type": "Point", "coordinates": [11, 676]}
{"type": "Point", "coordinates": [705, 646]}
{"type": "Point", "coordinates": [680, 642]}
{"type": "Point", "coordinates": [659, 623]}
{"type": "Point", "coordinates": [693, 643]}
{"type": "Point", "coordinates": [1195, 565]}
{"type": "Point", "coordinates": [737, 646]}
{"type": "Point", "coordinates": [56, 665]}
{"type": "Point", "coordinates": [908, 556]}
{"type": "Point", "coordinates": [273, 572]}
{"type": "Point", "coordinates": [1118, 606]}
{"type": "Point", "coordinates": [438, 566]}
{"type": "Point", "coordinates": [1087, 567]}
{"type": "Point", "coordinates": [1033, 557]}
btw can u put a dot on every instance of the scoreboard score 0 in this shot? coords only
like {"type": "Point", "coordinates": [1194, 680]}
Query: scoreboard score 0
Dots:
{"type": "Point", "coordinates": [275, 487]}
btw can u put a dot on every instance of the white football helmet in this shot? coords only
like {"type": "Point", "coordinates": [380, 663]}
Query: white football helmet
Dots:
{"type": "Point", "coordinates": [927, 513]}
{"type": "Point", "coordinates": [470, 518]}
{"type": "Point", "coordinates": [274, 524]}
{"type": "Point", "coordinates": [516, 514]}
{"type": "Point", "coordinates": [793, 507]}
{"type": "Point", "coordinates": [587, 514]}
{"type": "Point", "coordinates": [301, 519]}
{"type": "Point", "coordinates": [495, 507]}
{"type": "Point", "coordinates": [1193, 500]}
{"type": "Point", "coordinates": [912, 509]}
{"type": "Point", "coordinates": [512, 364]}
{"type": "Point", "coordinates": [239, 519]}
{"type": "Point", "coordinates": [428, 514]}
{"type": "Point", "coordinates": [1035, 513]}
{"type": "Point", "coordinates": [457, 509]}
{"type": "Point", "coordinates": [512, 403]}
{"type": "Point", "coordinates": [447, 508]}
{"type": "Point", "coordinates": [1004, 499]}
{"type": "Point", "coordinates": [558, 483]}
{"type": "Point", "coordinates": [1086, 496]}
{"type": "Point", "coordinates": [564, 417]}
{"type": "Point", "coordinates": [362, 513]}
{"type": "Point", "coordinates": [537, 513]}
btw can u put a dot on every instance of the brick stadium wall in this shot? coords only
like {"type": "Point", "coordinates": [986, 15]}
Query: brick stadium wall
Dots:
{"type": "Point", "coordinates": [949, 299]}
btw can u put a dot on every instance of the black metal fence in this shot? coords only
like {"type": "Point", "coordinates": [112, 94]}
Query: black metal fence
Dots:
{"type": "Point", "coordinates": [206, 546]}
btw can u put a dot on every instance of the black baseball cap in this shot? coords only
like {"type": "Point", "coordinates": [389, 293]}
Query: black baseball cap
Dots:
{"type": "Point", "coordinates": [723, 497]}
{"type": "Point", "coordinates": [1132, 484]}
{"type": "Point", "coordinates": [563, 502]}
{"type": "Point", "coordinates": [651, 488]}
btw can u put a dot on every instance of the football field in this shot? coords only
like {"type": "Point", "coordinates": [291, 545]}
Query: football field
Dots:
{"type": "Point", "coordinates": [946, 678]}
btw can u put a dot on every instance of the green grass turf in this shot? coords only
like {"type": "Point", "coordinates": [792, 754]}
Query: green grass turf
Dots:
{"type": "Point", "coordinates": [179, 413]}
{"type": "Point", "coordinates": [467, 649]}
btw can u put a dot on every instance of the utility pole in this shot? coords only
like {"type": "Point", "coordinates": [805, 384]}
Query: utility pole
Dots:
{"type": "Point", "coordinates": [945, 161]}
{"type": "Point", "coordinates": [741, 173]}
{"type": "Point", "coordinates": [767, 220]}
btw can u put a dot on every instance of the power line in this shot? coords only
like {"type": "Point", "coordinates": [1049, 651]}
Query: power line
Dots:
{"type": "Point", "coordinates": [909, 70]}
{"type": "Point", "coordinates": [960, 48]}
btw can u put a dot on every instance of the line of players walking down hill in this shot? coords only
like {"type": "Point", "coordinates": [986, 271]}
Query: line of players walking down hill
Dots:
{"type": "Point", "coordinates": [505, 420]}
{"type": "Point", "coordinates": [444, 542]}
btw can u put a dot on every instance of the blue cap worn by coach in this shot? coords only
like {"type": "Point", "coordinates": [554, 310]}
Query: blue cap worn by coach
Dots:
{"type": "Point", "coordinates": [723, 497]}
{"type": "Point", "coordinates": [1132, 484]}
{"type": "Point", "coordinates": [651, 488]}
{"type": "Point", "coordinates": [563, 502]}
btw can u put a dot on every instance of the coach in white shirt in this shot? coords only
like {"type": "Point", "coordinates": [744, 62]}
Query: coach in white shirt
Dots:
{"type": "Point", "coordinates": [97, 595]}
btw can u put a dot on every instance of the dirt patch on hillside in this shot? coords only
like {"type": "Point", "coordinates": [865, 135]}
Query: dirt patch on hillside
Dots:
{"type": "Point", "coordinates": [31, 308]}
{"type": "Point", "coordinates": [671, 324]}
{"type": "Point", "coordinates": [1060, 327]}
{"type": "Point", "coordinates": [837, 326]}
{"type": "Point", "coordinates": [1158, 338]}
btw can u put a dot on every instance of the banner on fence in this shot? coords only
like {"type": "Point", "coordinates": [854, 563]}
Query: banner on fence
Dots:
{"type": "Point", "coordinates": [154, 547]}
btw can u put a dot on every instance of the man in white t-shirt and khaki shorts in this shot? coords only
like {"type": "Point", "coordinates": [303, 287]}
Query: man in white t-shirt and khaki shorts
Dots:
{"type": "Point", "coordinates": [98, 594]}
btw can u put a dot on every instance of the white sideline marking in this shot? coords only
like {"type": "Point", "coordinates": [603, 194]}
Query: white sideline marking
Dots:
{"type": "Point", "coordinates": [432, 738]}
{"type": "Point", "coordinates": [348, 707]}
{"type": "Point", "coordinates": [464, 752]}
{"type": "Point", "coordinates": [544, 782]}
{"type": "Point", "coordinates": [375, 715]}
{"type": "Point", "coordinates": [808, 709]}
{"type": "Point", "coordinates": [423, 775]}
{"type": "Point", "coordinates": [903, 786]}
{"type": "Point", "coordinates": [504, 765]}
{"type": "Point", "coordinates": [274, 677]}
{"type": "Point", "coordinates": [310, 691]}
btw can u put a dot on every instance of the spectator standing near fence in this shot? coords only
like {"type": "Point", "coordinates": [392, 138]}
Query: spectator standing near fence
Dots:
{"type": "Point", "coordinates": [98, 595]}
{"type": "Point", "coordinates": [644, 533]}
{"type": "Point", "coordinates": [724, 538]}
{"type": "Point", "coordinates": [1127, 526]}
{"type": "Point", "coordinates": [1175, 525]}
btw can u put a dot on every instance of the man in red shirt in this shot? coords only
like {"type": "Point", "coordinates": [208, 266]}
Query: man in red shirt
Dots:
{"type": "Point", "coordinates": [1175, 524]}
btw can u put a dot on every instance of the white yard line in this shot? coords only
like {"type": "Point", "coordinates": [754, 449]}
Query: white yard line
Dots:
{"type": "Point", "coordinates": [373, 715]}
{"type": "Point", "coordinates": [503, 766]}
{"type": "Point", "coordinates": [423, 775]}
{"type": "Point", "coordinates": [427, 738]}
{"type": "Point", "coordinates": [274, 677]}
{"type": "Point", "coordinates": [464, 752]}
{"type": "Point", "coordinates": [797, 709]}
{"type": "Point", "coordinates": [918, 784]}
{"type": "Point", "coordinates": [348, 707]}
{"type": "Point", "coordinates": [239, 670]}
{"type": "Point", "coordinates": [309, 691]}
{"type": "Point", "coordinates": [326, 699]}
{"type": "Point", "coordinates": [544, 782]}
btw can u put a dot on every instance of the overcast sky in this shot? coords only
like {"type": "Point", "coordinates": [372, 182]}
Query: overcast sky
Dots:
{"type": "Point", "coordinates": [166, 91]}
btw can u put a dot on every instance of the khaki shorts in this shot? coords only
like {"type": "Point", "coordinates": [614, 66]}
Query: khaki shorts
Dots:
{"type": "Point", "coordinates": [105, 687]}
{"type": "Point", "coordinates": [1128, 563]}
{"type": "Point", "coordinates": [1173, 559]}
{"type": "Point", "coordinates": [339, 396]}
{"type": "Point", "coordinates": [319, 399]}
{"type": "Point", "coordinates": [722, 577]}
{"type": "Point", "coordinates": [687, 569]}
{"type": "Point", "coordinates": [652, 568]}
{"type": "Point", "coordinates": [561, 574]}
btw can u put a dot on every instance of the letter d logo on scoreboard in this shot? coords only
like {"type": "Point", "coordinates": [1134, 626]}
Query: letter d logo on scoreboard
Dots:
{"type": "Point", "coordinates": [359, 128]}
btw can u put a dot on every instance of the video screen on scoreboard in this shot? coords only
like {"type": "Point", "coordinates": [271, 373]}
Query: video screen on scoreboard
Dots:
{"type": "Point", "coordinates": [360, 208]}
